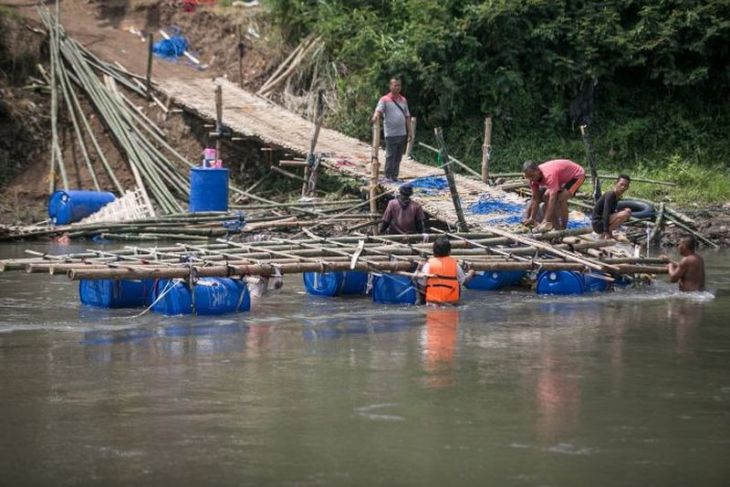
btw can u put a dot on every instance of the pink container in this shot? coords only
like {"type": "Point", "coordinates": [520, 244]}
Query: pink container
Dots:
{"type": "Point", "coordinates": [210, 153]}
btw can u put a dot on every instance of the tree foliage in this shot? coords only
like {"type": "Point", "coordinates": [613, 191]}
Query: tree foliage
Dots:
{"type": "Point", "coordinates": [662, 66]}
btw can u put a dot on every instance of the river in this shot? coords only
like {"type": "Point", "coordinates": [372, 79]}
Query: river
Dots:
{"type": "Point", "coordinates": [626, 388]}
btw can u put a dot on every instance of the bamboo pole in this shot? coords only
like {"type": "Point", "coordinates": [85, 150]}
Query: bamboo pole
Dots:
{"type": "Point", "coordinates": [150, 52]}
{"type": "Point", "coordinates": [486, 149]}
{"type": "Point", "coordinates": [66, 90]}
{"type": "Point", "coordinates": [452, 182]}
{"type": "Point", "coordinates": [591, 158]}
{"type": "Point", "coordinates": [692, 232]}
{"type": "Point", "coordinates": [374, 166]}
{"type": "Point", "coordinates": [551, 249]}
{"type": "Point", "coordinates": [311, 170]}
{"type": "Point", "coordinates": [283, 65]}
{"type": "Point", "coordinates": [453, 160]}
{"type": "Point", "coordinates": [241, 52]}
{"type": "Point", "coordinates": [658, 225]}
{"type": "Point", "coordinates": [231, 269]}
{"type": "Point", "coordinates": [218, 119]}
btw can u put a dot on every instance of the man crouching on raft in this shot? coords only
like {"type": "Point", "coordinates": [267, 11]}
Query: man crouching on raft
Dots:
{"type": "Point", "coordinates": [554, 182]}
{"type": "Point", "coordinates": [444, 275]}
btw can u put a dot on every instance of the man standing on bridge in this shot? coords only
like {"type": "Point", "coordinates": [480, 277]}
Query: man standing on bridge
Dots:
{"type": "Point", "coordinates": [393, 108]}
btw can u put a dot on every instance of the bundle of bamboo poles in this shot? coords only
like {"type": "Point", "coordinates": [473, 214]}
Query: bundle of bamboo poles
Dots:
{"type": "Point", "coordinates": [159, 170]}
{"type": "Point", "coordinates": [202, 226]}
{"type": "Point", "coordinates": [493, 250]}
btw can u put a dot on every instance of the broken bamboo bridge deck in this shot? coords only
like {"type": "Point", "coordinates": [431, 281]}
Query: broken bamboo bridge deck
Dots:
{"type": "Point", "coordinates": [255, 117]}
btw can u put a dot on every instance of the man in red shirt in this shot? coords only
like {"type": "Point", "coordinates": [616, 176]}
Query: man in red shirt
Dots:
{"type": "Point", "coordinates": [553, 182]}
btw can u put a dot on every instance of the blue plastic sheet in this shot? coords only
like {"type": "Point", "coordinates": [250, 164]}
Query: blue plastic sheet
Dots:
{"type": "Point", "coordinates": [430, 184]}
{"type": "Point", "coordinates": [488, 205]}
{"type": "Point", "coordinates": [171, 48]}
{"type": "Point", "coordinates": [506, 220]}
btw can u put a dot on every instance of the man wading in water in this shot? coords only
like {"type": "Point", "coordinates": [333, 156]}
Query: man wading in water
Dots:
{"type": "Point", "coordinates": [554, 182]}
{"type": "Point", "coordinates": [443, 275]}
{"type": "Point", "coordinates": [403, 215]}
{"type": "Point", "coordinates": [393, 107]}
{"type": "Point", "coordinates": [605, 218]}
{"type": "Point", "coordinates": [690, 272]}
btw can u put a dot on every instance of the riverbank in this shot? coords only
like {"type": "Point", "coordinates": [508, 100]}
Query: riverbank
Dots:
{"type": "Point", "coordinates": [24, 196]}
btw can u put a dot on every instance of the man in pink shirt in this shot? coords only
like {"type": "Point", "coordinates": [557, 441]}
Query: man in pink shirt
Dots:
{"type": "Point", "coordinates": [553, 182]}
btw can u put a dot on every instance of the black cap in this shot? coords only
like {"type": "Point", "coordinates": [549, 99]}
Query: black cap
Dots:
{"type": "Point", "coordinates": [406, 189]}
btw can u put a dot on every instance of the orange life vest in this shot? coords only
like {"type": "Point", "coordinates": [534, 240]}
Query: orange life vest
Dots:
{"type": "Point", "coordinates": [444, 286]}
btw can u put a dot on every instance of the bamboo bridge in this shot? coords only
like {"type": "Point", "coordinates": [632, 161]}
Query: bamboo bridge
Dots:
{"type": "Point", "coordinates": [255, 117]}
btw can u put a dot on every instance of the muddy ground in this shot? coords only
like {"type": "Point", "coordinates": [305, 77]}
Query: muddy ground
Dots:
{"type": "Point", "coordinates": [107, 27]}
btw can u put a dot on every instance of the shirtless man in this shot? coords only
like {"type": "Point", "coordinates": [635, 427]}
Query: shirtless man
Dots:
{"type": "Point", "coordinates": [690, 272]}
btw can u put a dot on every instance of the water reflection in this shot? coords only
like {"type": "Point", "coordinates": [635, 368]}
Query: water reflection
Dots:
{"type": "Point", "coordinates": [342, 326]}
{"type": "Point", "coordinates": [558, 393]}
{"type": "Point", "coordinates": [175, 340]}
{"type": "Point", "coordinates": [686, 317]}
{"type": "Point", "coordinates": [439, 342]}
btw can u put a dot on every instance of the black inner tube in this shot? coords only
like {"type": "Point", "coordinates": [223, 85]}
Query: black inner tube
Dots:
{"type": "Point", "coordinates": [639, 209]}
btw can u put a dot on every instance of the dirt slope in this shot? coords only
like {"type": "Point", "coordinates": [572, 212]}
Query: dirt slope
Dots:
{"type": "Point", "coordinates": [104, 27]}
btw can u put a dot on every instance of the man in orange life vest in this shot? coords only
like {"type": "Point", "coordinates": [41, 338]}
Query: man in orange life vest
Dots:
{"type": "Point", "coordinates": [444, 276]}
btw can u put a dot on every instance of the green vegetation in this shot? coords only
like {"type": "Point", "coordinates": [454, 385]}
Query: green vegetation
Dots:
{"type": "Point", "coordinates": [662, 68]}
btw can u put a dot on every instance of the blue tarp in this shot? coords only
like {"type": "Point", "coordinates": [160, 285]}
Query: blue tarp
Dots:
{"type": "Point", "coordinates": [487, 206]}
{"type": "Point", "coordinates": [430, 183]}
{"type": "Point", "coordinates": [171, 48]}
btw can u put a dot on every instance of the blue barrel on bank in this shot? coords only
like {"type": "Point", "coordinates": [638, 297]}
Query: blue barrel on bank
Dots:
{"type": "Point", "coordinates": [562, 283]}
{"type": "Point", "coordinates": [594, 284]}
{"type": "Point", "coordinates": [394, 289]}
{"type": "Point", "coordinates": [494, 280]}
{"type": "Point", "coordinates": [113, 293]}
{"type": "Point", "coordinates": [208, 189]}
{"type": "Point", "coordinates": [68, 206]}
{"type": "Point", "coordinates": [209, 296]}
{"type": "Point", "coordinates": [335, 283]}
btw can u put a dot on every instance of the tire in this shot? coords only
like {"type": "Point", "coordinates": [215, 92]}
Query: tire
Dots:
{"type": "Point", "coordinates": [639, 209]}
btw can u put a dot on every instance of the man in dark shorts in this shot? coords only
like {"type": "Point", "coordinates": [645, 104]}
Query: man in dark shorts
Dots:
{"type": "Point", "coordinates": [605, 218]}
{"type": "Point", "coordinates": [690, 271]}
{"type": "Point", "coordinates": [403, 215]}
{"type": "Point", "coordinates": [553, 182]}
{"type": "Point", "coordinates": [393, 109]}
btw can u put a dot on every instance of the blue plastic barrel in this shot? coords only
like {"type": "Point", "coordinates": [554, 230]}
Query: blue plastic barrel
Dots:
{"type": "Point", "coordinates": [494, 280]}
{"type": "Point", "coordinates": [560, 283]}
{"type": "Point", "coordinates": [594, 284]}
{"type": "Point", "coordinates": [111, 293]}
{"type": "Point", "coordinates": [335, 283]}
{"type": "Point", "coordinates": [68, 206]}
{"type": "Point", "coordinates": [210, 296]}
{"type": "Point", "coordinates": [394, 289]}
{"type": "Point", "coordinates": [208, 189]}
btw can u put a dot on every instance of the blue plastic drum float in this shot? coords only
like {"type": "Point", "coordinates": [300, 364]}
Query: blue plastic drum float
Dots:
{"type": "Point", "coordinates": [69, 206]}
{"type": "Point", "coordinates": [567, 283]}
{"type": "Point", "coordinates": [495, 280]}
{"type": "Point", "coordinates": [330, 284]}
{"type": "Point", "coordinates": [394, 289]}
{"type": "Point", "coordinates": [209, 295]}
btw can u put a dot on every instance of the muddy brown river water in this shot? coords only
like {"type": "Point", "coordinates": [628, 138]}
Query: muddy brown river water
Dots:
{"type": "Point", "coordinates": [626, 388]}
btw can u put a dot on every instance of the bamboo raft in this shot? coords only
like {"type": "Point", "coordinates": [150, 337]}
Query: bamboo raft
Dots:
{"type": "Point", "coordinates": [494, 250]}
